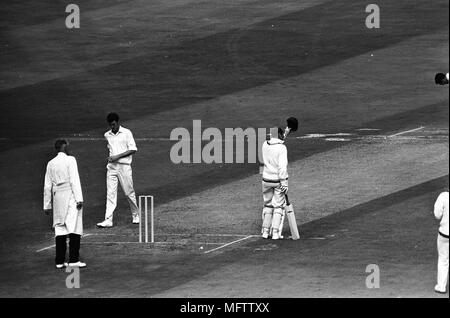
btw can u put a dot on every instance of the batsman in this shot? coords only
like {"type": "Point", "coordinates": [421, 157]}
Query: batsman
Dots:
{"type": "Point", "coordinates": [275, 180]}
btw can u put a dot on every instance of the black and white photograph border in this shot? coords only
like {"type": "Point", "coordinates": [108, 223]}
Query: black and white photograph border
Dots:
{"type": "Point", "coordinates": [236, 152]}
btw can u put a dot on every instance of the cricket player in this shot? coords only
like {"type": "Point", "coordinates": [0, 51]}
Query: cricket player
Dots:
{"type": "Point", "coordinates": [441, 79]}
{"type": "Point", "coordinates": [441, 214]}
{"type": "Point", "coordinates": [63, 196]}
{"type": "Point", "coordinates": [121, 147]}
{"type": "Point", "coordinates": [274, 184]}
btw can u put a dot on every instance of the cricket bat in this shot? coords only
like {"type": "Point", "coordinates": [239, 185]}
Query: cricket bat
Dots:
{"type": "Point", "coordinates": [280, 229]}
{"type": "Point", "coordinates": [291, 219]}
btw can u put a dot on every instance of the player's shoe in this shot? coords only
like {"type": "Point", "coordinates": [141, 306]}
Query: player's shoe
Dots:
{"type": "Point", "coordinates": [439, 290]}
{"type": "Point", "coordinates": [275, 235]}
{"type": "Point", "coordinates": [265, 234]}
{"type": "Point", "coordinates": [136, 219]}
{"type": "Point", "coordinates": [59, 266]}
{"type": "Point", "coordinates": [105, 224]}
{"type": "Point", "coordinates": [78, 264]}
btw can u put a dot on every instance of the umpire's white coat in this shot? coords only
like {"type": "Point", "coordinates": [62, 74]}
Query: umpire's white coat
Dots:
{"type": "Point", "coordinates": [62, 191]}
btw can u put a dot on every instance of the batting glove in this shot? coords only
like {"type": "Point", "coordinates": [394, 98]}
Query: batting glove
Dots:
{"type": "Point", "coordinates": [284, 186]}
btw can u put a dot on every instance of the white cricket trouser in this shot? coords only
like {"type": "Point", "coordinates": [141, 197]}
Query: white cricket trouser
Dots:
{"type": "Point", "coordinates": [117, 172]}
{"type": "Point", "coordinates": [273, 196]}
{"type": "Point", "coordinates": [274, 201]}
{"type": "Point", "coordinates": [442, 276]}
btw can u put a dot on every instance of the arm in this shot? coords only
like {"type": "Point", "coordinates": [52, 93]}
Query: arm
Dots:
{"type": "Point", "coordinates": [47, 192]}
{"type": "Point", "coordinates": [132, 149]}
{"type": "Point", "coordinates": [282, 169]}
{"type": "Point", "coordinates": [439, 207]}
{"type": "Point", "coordinates": [121, 155]}
{"type": "Point", "coordinates": [75, 180]}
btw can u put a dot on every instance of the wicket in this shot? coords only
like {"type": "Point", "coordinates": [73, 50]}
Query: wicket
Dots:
{"type": "Point", "coordinates": [145, 206]}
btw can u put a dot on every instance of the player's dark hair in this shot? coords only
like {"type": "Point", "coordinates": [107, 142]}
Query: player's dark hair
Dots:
{"type": "Point", "coordinates": [280, 132]}
{"type": "Point", "coordinates": [112, 117]}
{"type": "Point", "coordinates": [59, 143]}
{"type": "Point", "coordinates": [439, 78]}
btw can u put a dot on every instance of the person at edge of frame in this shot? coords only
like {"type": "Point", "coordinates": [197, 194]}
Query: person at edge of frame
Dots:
{"type": "Point", "coordinates": [441, 79]}
{"type": "Point", "coordinates": [441, 214]}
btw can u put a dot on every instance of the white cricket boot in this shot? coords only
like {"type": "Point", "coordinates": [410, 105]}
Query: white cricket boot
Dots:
{"type": "Point", "coordinates": [265, 234]}
{"type": "Point", "coordinates": [136, 219]}
{"type": "Point", "coordinates": [275, 234]}
{"type": "Point", "coordinates": [59, 266]}
{"type": "Point", "coordinates": [105, 224]}
{"type": "Point", "coordinates": [78, 264]}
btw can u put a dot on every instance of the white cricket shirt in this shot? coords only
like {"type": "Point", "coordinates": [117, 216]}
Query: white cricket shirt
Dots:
{"type": "Point", "coordinates": [441, 212]}
{"type": "Point", "coordinates": [121, 142]}
{"type": "Point", "coordinates": [275, 159]}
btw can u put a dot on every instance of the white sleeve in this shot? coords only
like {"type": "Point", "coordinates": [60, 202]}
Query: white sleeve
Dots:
{"type": "Point", "coordinates": [75, 180]}
{"type": "Point", "coordinates": [447, 76]}
{"type": "Point", "coordinates": [107, 144]}
{"type": "Point", "coordinates": [282, 164]}
{"type": "Point", "coordinates": [439, 207]}
{"type": "Point", "coordinates": [131, 144]}
{"type": "Point", "coordinates": [47, 190]}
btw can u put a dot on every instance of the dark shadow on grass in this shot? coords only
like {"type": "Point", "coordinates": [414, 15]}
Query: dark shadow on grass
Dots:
{"type": "Point", "coordinates": [199, 266]}
{"type": "Point", "coordinates": [210, 67]}
{"type": "Point", "coordinates": [226, 173]}
{"type": "Point", "coordinates": [327, 224]}
{"type": "Point", "coordinates": [14, 229]}
{"type": "Point", "coordinates": [221, 174]}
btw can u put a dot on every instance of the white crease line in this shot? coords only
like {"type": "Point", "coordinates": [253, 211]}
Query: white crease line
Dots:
{"type": "Point", "coordinates": [52, 246]}
{"type": "Point", "coordinates": [137, 139]}
{"type": "Point", "coordinates": [103, 139]}
{"type": "Point", "coordinates": [200, 234]}
{"type": "Point", "coordinates": [228, 244]}
{"type": "Point", "coordinates": [173, 234]}
{"type": "Point", "coordinates": [407, 131]}
{"type": "Point", "coordinates": [338, 139]}
{"type": "Point", "coordinates": [416, 137]}
{"type": "Point", "coordinates": [113, 234]}
{"type": "Point", "coordinates": [104, 234]}
{"type": "Point", "coordinates": [432, 138]}
{"type": "Point", "coordinates": [313, 136]}
{"type": "Point", "coordinates": [45, 248]}
{"type": "Point", "coordinates": [173, 243]}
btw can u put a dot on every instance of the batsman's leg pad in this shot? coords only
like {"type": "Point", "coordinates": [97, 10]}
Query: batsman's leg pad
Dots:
{"type": "Point", "coordinates": [267, 217]}
{"type": "Point", "coordinates": [276, 220]}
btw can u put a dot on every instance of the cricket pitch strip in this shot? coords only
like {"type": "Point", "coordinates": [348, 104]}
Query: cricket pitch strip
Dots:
{"type": "Point", "coordinates": [200, 243]}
